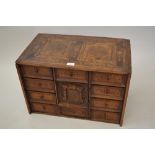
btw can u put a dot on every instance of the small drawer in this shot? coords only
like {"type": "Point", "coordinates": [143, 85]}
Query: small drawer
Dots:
{"type": "Point", "coordinates": [106, 78]}
{"type": "Point", "coordinates": [107, 92]}
{"type": "Point", "coordinates": [100, 115]}
{"type": "Point", "coordinates": [68, 75]}
{"type": "Point", "coordinates": [113, 117]}
{"type": "Point", "coordinates": [114, 105]}
{"type": "Point", "coordinates": [42, 97]}
{"type": "Point", "coordinates": [75, 112]}
{"type": "Point", "coordinates": [44, 108]}
{"type": "Point", "coordinates": [39, 85]}
{"type": "Point", "coordinates": [37, 72]}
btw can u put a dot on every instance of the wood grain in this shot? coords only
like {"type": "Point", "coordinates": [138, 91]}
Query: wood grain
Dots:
{"type": "Point", "coordinates": [76, 76]}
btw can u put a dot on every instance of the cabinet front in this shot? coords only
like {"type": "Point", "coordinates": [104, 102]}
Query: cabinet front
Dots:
{"type": "Point", "coordinates": [71, 93]}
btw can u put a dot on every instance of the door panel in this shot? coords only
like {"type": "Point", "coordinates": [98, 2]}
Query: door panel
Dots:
{"type": "Point", "coordinates": [72, 93]}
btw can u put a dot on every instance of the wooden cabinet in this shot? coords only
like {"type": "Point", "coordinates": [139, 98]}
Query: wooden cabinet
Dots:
{"type": "Point", "coordinates": [76, 76]}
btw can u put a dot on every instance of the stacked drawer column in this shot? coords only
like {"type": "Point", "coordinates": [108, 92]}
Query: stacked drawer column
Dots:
{"type": "Point", "coordinates": [106, 96]}
{"type": "Point", "coordinates": [40, 89]}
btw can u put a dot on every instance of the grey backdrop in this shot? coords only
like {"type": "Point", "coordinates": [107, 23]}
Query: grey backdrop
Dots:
{"type": "Point", "coordinates": [140, 109]}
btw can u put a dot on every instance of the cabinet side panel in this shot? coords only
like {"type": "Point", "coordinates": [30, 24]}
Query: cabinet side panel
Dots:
{"type": "Point", "coordinates": [22, 85]}
{"type": "Point", "coordinates": [125, 98]}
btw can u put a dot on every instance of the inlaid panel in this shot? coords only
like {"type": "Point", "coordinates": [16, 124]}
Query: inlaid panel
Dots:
{"type": "Point", "coordinates": [73, 93]}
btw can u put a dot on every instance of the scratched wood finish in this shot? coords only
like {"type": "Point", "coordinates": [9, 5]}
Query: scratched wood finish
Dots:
{"type": "Point", "coordinates": [76, 76]}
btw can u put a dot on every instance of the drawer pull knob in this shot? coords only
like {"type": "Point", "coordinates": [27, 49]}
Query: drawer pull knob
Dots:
{"type": "Point", "coordinates": [44, 108]}
{"type": "Point", "coordinates": [71, 74]}
{"type": "Point", "coordinates": [107, 91]}
{"type": "Point", "coordinates": [106, 105]}
{"type": "Point", "coordinates": [36, 70]}
{"type": "Point", "coordinates": [83, 95]}
{"type": "Point", "coordinates": [64, 94]}
{"type": "Point", "coordinates": [41, 97]}
{"type": "Point", "coordinates": [108, 77]}
{"type": "Point", "coordinates": [39, 84]}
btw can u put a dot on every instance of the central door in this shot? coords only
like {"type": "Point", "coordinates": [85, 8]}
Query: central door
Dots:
{"type": "Point", "coordinates": [72, 93]}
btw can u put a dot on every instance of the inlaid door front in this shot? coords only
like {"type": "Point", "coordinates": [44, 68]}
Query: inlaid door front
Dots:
{"type": "Point", "coordinates": [72, 93]}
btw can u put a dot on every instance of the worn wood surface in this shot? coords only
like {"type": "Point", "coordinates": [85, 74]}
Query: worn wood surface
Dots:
{"type": "Point", "coordinates": [93, 86]}
{"type": "Point", "coordinates": [87, 53]}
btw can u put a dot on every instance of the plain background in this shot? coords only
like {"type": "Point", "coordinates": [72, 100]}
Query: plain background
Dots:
{"type": "Point", "coordinates": [140, 109]}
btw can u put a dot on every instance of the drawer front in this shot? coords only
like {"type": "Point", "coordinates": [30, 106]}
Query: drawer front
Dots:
{"type": "Point", "coordinates": [76, 75]}
{"type": "Point", "coordinates": [45, 108]}
{"type": "Point", "coordinates": [39, 85]}
{"type": "Point", "coordinates": [75, 112]}
{"type": "Point", "coordinates": [42, 97]}
{"type": "Point", "coordinates": [107, 92]}
{"type": "Point", "coordinates": [42, 72]}
{"type": "Point", "coordinates": [108, 78]}
{"type": "Point", "coordinates": [112, 117]}
{"type": "Point", "coordinates": [97, 115]}
{"type": "Point", "coordinates": [100, 115]}
{"type": "Point", "coordinates": [106, 104]}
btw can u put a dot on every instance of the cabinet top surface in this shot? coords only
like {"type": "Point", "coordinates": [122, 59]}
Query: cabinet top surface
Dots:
{"type": "Point", "coordinates": [79, 52]}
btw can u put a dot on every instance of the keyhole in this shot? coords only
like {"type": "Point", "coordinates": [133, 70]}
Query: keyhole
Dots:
{"type": "Point", "coordinates": [36, 70]}
{"type": "Point", "coordinates": [39, 84]}
{"type": "Point", "coordinates": [108, 77]}
{"type": "Point", "coordinates": [42, 97]}
{"type": "Point", "coordinates": [44, 108]}
{"type": "Point", "coordinates": [71, 74]}
{"type": "Point", "coordinates": [107, 91]}
{"type": "Point", "coordinates": [106, 105]}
